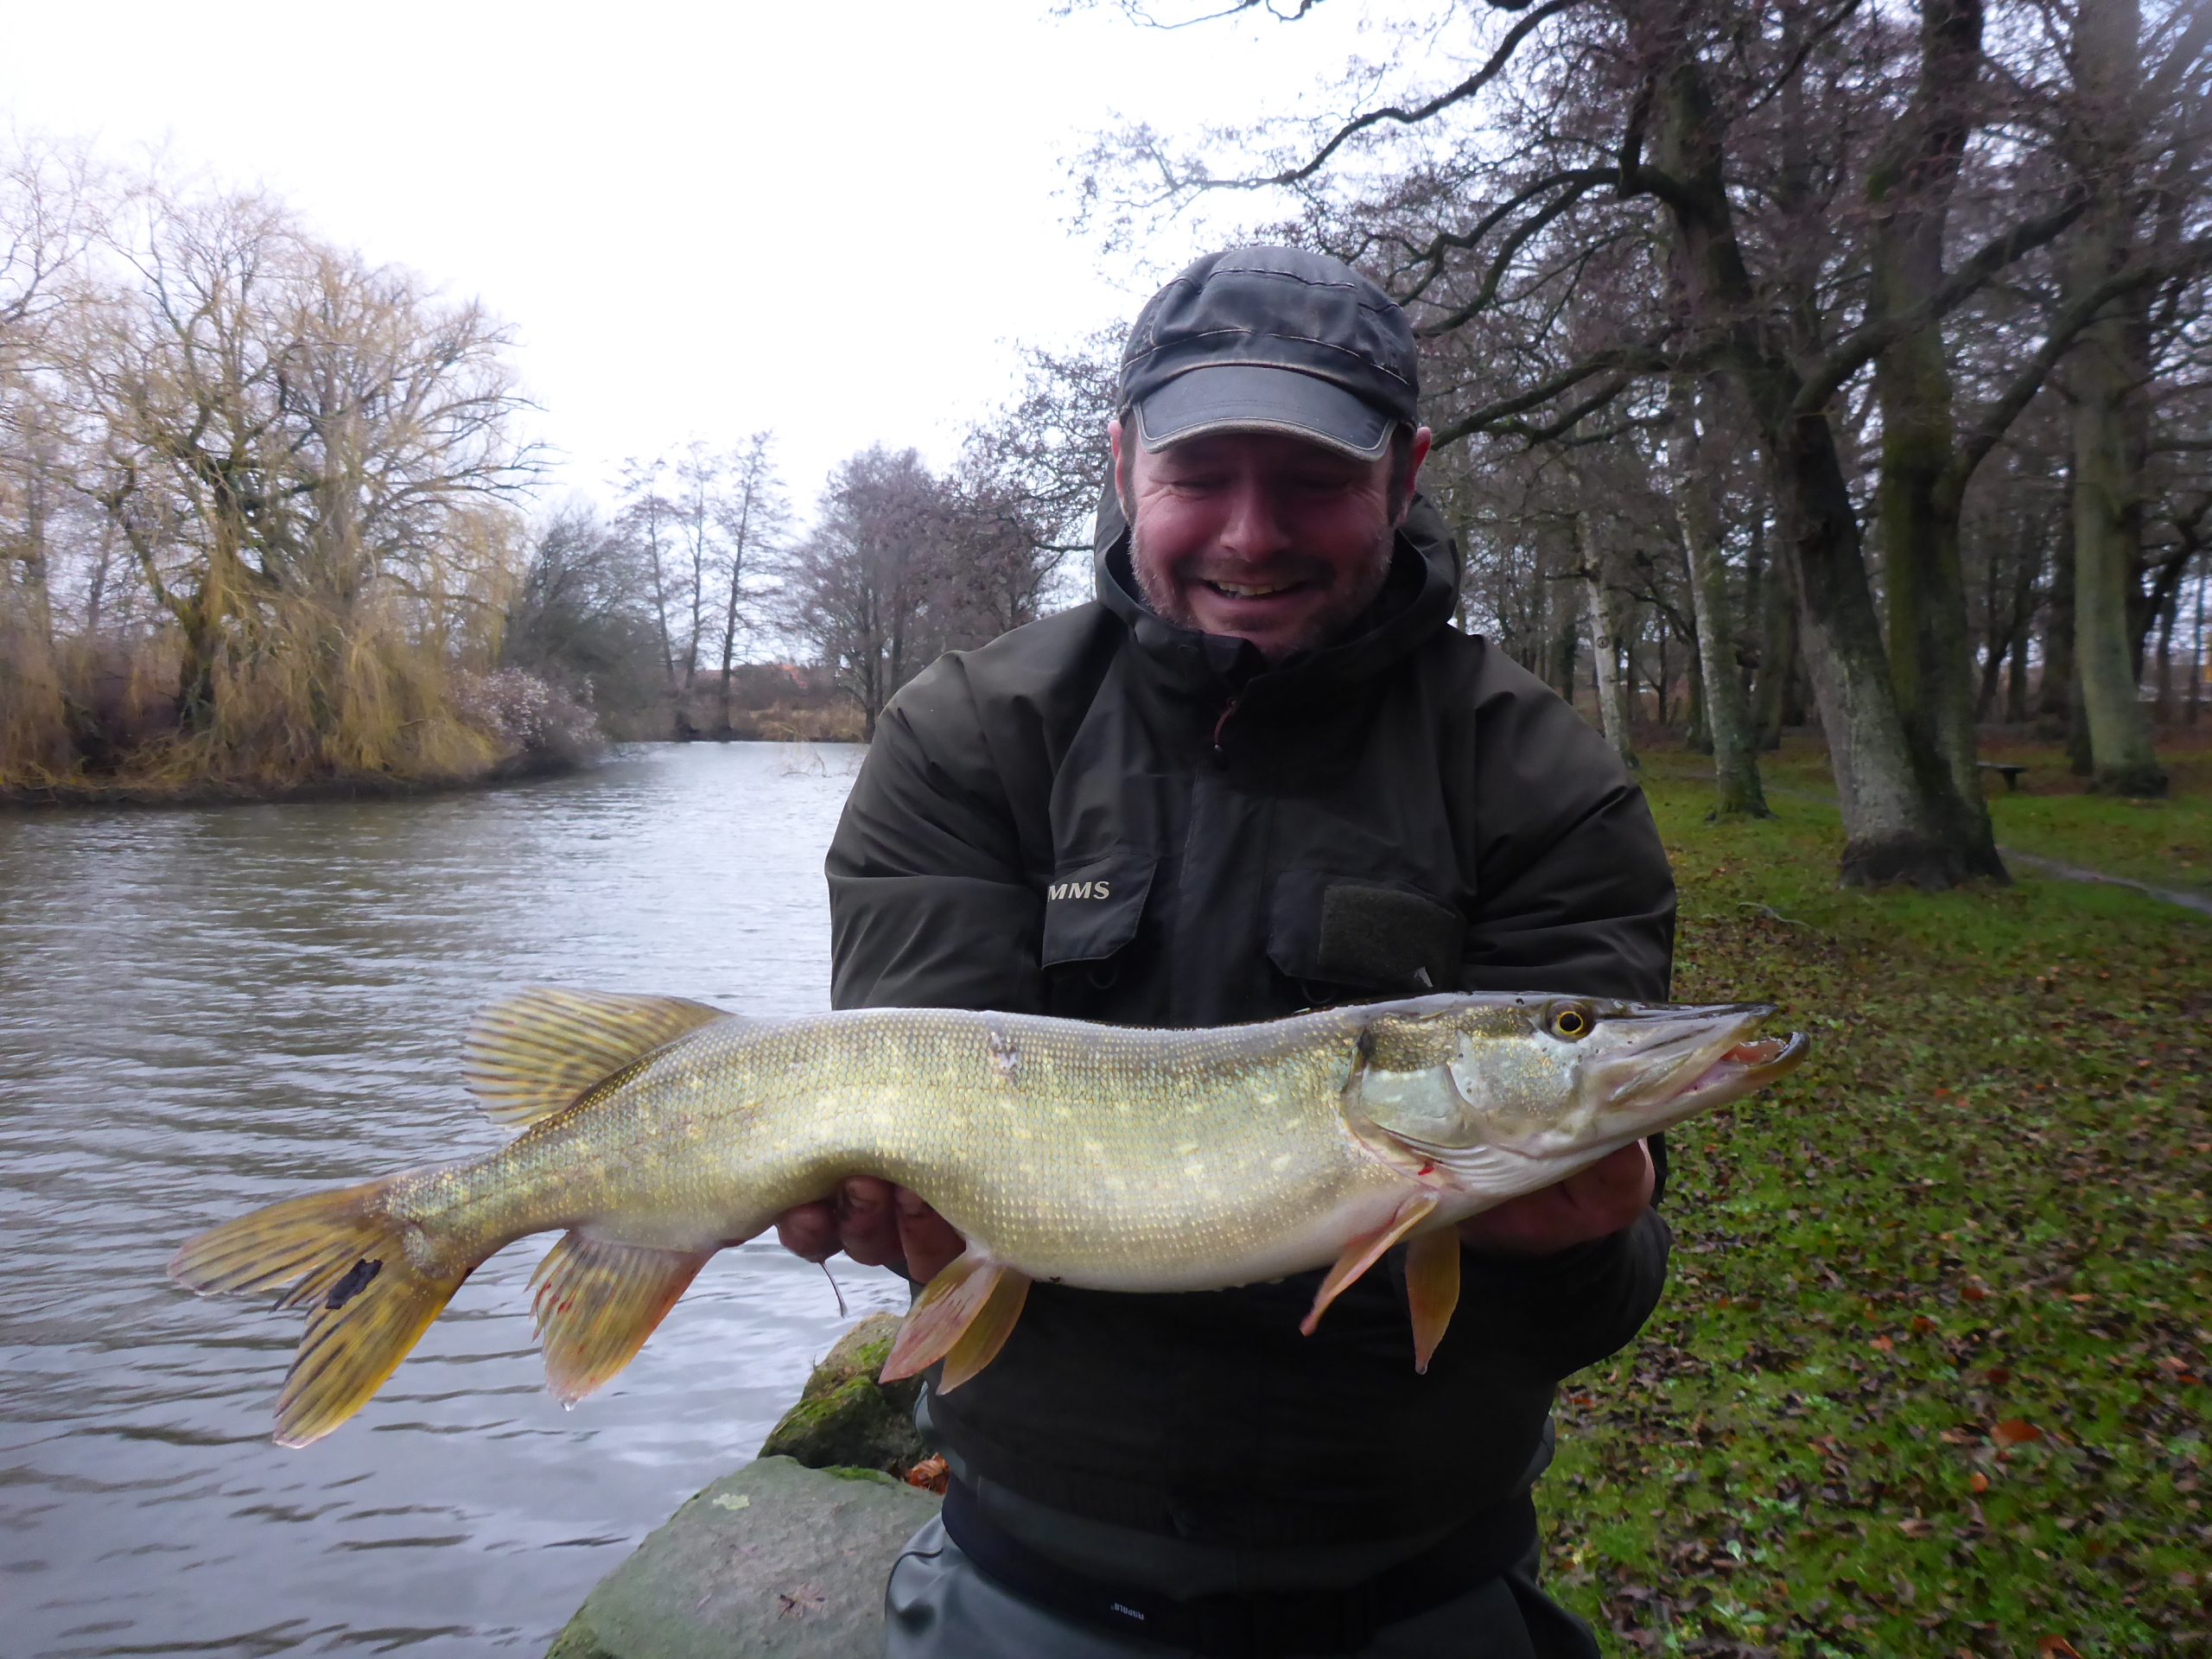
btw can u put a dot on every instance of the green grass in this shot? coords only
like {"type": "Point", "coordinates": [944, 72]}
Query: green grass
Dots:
{"type": "Point", "coordinates": [2167, 843]}
{"type": "Point", "coordinates": [1930, 1374]}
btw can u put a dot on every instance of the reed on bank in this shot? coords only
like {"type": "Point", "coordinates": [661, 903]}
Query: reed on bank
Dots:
{"type": "Point", "coordinates": [299, 701]}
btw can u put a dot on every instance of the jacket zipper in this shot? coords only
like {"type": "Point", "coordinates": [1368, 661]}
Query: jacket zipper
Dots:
{"type": "Point", "coordinates": [1220, 757]}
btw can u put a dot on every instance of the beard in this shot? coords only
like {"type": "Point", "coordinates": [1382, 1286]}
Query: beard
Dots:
{"type": "Point", "coordinates": [1352, 589]}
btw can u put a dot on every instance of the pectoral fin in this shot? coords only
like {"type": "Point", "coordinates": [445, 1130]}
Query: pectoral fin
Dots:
{"type": "Point", "coordinates": [1432, 1288]}
{"type": "Point", "coordinates": [1364, 1251]}
{"type": "Point", "coordinates": [962, 1316]}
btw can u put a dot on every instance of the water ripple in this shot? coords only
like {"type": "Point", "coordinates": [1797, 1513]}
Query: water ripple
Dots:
{"type": "Point", "coordinates": [205, 1010]}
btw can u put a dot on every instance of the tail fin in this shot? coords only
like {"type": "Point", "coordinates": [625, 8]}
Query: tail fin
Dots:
{"type": "Point", "coordinates": [341, 1257]}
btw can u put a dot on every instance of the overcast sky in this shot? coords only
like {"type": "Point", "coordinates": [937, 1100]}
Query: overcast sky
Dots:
{"type": "Point", "coordinates": [835, 220]}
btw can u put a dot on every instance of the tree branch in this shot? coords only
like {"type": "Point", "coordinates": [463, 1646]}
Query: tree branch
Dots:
{"type": "Point", "coordinates": [1444, 100]}
{"type": "Point", "coordinates": [1823, 378]}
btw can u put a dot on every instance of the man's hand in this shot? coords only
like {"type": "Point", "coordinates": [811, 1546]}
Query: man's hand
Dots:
{"type": "Point", "coordinates": [1590, 1204]}
{"type": "Point", "coordinates": [877, 1224]}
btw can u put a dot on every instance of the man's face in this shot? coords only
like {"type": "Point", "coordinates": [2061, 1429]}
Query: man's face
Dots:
{"type": "Point", "coordinates": [1259, 534]}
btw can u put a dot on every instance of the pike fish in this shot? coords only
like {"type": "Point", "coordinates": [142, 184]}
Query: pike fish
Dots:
{"type": "Point", "coordinates": [655, 1131]}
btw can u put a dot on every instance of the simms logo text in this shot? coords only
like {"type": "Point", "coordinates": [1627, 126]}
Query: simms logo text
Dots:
{"type": "Point", "coordinates": [1079, 890]}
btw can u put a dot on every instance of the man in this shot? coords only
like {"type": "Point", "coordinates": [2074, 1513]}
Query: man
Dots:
{"type": "Point", "coordinates": [1260, 773]}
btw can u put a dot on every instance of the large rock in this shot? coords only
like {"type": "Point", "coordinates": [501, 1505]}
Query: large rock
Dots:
{"type": "Point", "coordinates": [844, 1417]}
{"type": "Point", "coordinates": [776, 1561]}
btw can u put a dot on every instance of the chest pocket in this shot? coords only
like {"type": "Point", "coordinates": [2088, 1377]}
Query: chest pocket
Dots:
{"type": "Point", "coordinates": [1332, 933]}
{"type": "Point", "coordinates": [1091, 910]}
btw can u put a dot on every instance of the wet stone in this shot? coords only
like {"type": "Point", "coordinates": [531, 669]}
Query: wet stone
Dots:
{"type": "Point", "coordinates": [777, 1561]}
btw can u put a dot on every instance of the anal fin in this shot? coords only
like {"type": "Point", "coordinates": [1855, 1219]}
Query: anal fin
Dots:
{"type": "Point", "coordinates": [1432, 1288]}
{"type": "Point", "coordinates": [597, 1300]}
{"type": "Point", "coordinates": [1363, 1252]}
{"type": "Point", "coordinates": [962, 1316]}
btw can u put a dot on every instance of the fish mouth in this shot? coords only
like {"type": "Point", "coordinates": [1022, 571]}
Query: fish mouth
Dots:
{"type": "Point", "coordinates": [1739, 1070]}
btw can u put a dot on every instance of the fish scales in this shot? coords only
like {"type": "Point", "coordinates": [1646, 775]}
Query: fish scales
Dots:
{"type": "Point", "coordinates": [1133, 1155]}
{"type": "Point", "coordinates": [1107, 1158]}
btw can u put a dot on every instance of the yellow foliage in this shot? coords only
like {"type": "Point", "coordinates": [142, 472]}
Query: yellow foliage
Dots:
{"type": "Point", "coordinates": [301, 690]}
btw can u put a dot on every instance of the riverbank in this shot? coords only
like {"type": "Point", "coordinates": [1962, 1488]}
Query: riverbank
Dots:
{"type": "Point", "coordinates": [242, 793]}
{"type": "Point", "coordinates": [1929, 1375]}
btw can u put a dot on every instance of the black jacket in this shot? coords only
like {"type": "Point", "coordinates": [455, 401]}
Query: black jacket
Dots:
{"type": "Point", "coordinates": [1105, 816]}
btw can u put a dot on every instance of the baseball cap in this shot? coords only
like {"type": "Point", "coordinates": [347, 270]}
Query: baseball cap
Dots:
{"type": "Point", "coordinates": [1271, 339]}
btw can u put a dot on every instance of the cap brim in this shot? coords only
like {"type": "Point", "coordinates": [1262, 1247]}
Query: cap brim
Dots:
{"type": "Point", "coordinates": [1257, 397]}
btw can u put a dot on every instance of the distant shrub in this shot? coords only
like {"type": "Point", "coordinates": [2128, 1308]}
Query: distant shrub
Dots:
{"type": "Point", "coordinates": [535, 723]}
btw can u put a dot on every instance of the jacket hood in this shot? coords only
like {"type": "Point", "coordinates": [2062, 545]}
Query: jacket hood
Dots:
{"type": "Point", "coordinates": [1419, 596]}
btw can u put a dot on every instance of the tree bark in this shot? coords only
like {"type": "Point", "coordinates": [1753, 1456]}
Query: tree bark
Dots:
{"type": "Point", "coordinates": [1919, 495]}
{"type": "Point", "coordinates": [2108, 371]}
{"type": "Point", "coordinates": [2055, 696]}
{"type": "Point", "coordinates": [1900, 825]}
{"type": "Point", "coordinates": [1604, 600]}
{"type": "Point", "coordinates": [1727, 718]}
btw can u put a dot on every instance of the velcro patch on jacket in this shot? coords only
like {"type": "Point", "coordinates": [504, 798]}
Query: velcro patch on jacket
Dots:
{"type": "Point", "coordinates": [1379, 936]}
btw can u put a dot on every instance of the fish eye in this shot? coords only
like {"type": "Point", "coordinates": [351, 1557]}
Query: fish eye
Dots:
{"type": "Point", "coordinates": [1570, 1022]}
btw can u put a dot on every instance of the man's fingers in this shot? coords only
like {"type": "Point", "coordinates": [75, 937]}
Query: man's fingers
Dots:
{"type": "Point", "coordinates": [1616, 1187]}
{"type": "Point", "coordinates": [868, 1222]}
{"type": "Point", "coordinates": [926, 1238]}
{"type": "Point", "coordinates": [876, 1225]}
{"type": "Point", "coordinates": [809, 1230]}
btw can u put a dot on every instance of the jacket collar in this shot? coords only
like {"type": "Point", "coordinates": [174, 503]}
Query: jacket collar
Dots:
{"type": "Point", "coordinates": [1419, 597]}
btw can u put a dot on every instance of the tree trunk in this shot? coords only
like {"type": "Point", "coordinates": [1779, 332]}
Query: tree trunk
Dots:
{"type": "Point", "coordinates": [730, 614]}
{"type": "Point", "coordinates": [1604, 647]}
{"type": "Point", "coordinates": [1772, 694]}
{"type": "Point", "coordinates": [1697, 734]}
{"type": "Point", "coordinates": [2168, 615]}
{"type": "Point", "coordinates": [1727, 719]}
{"type": "Point", "coordinates": [2056, 699]}
{"type": "Point", "coordinates": [1899, 824]}
{"type": "Point", "coordinates": [1919, 494]}
{"type": "Point", "coordinates": [2109, 370]}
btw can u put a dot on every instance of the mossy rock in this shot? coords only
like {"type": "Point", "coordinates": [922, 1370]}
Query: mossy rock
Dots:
{"type": "Point", "coordinates": [772, 1562]}
{"type": "Point", "coordinates": [845, 1417]}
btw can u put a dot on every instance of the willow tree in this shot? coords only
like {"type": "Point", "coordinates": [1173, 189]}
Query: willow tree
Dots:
{"type": "Point", "coordinates": [311, 460]}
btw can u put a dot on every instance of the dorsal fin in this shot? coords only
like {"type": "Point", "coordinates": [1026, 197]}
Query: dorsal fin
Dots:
{"type": "Point", "coordinates": [535, 1054]}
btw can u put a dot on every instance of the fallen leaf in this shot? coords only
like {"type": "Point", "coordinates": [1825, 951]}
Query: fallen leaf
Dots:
{"type": "Point", "coordinates": [1974, 1293]}
{"type": "Point", "coordinates": [2015, 1431]}
{"type": "Point", "coordinates": [1977, 1482]}
{"type": "Point", "coordinates": [1921, 1325]}
{"type": "Point", "coordinates": [929, 1474]}
{"type": "Point", "coordinates": [2056, 1646]}
{"type": "Point", "coordinates": [1882, 1345]}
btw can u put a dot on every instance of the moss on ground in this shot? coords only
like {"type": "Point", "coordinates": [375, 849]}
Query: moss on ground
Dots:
{"type": "Point", "coordinates": [1930, 1375]}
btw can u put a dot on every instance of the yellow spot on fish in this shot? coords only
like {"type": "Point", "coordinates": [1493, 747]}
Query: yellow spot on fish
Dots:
{"type": "Point", "coordinates": [1187, 1148]}
{"type": "Point", "coordinates": [1282, 1161]}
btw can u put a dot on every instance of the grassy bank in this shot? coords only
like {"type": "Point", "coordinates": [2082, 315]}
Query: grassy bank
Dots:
{"type": "Point", "coordinates": [1930, 1375]}
{"type": "Point", "coordinates": [2050, 813]}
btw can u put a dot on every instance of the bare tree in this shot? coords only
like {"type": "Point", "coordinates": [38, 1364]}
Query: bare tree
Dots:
{"type": "Point", "coordinates": [752, 517]}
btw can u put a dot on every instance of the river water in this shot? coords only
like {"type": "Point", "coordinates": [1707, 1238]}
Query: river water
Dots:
{"type": "Point", "coordinates": [204, 1010]}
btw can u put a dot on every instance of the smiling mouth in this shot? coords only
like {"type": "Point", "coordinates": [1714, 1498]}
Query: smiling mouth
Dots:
{"type": "Point", "coordinates": [1252, 590]}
